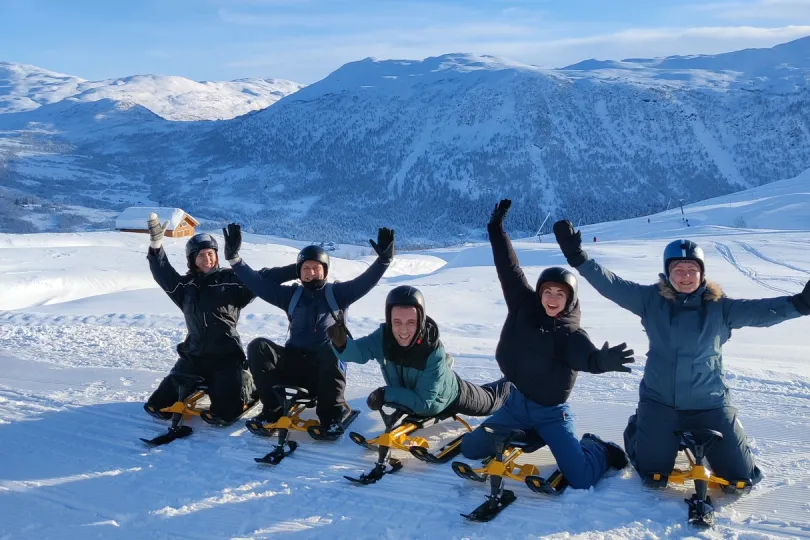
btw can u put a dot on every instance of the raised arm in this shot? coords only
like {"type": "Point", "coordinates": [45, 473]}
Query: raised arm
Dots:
{"type": "Point", "coordinates": [764, 312]}
{"type": "Point", "coordinates": [267, 289]}
{"type": "Point", "coordinates": [582, 355]}
{"type": "Point", "coordinates": [165, 275]}
{"type": "Point", "coordinates": [513, 282]}
{"type": "Point", "coordinates": [627, 294]}
{"type": "Point", "coordinates": [349, 292]}
{"type": "Point", "coordinates": [279, 274]}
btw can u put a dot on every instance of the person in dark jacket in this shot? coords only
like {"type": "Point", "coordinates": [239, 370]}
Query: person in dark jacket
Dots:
{"type": "Point", "coordinates": [541, 349]}
{"type": "Point", "coordinates": [211, 299]}
{"type": "Point", "coordinates": [687, 320]}
{"type": "Point", "coordinates": [418, 372]}
{"type": "Point", "coordinates": [307, 359]}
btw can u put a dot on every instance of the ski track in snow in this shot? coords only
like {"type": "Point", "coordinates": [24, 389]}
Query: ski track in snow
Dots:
{"type": "Point", "coordinates": [71, 388]}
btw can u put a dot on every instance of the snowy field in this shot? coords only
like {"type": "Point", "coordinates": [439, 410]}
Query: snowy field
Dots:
{"type": "Point", "coordinates": [85, 336]}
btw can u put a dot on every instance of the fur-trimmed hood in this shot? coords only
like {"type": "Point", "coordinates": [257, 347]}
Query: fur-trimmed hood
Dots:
{"type": "Point", "coordinates": [712, 292]}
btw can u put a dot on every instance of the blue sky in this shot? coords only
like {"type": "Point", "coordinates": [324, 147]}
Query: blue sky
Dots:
{"type": "Point", "coordinates": [305, 40]}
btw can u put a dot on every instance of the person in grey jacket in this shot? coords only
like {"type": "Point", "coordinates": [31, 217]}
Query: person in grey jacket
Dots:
{"type": "Point", "coordinates": [687, 320]}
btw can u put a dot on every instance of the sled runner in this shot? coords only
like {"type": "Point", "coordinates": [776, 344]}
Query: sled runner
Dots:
{"type": "Point", "coordinates": [295, 401]}
{"type": "Point", "coordinates": [694, 444]}
{"type": "Point", "coordinates": [502, 465]}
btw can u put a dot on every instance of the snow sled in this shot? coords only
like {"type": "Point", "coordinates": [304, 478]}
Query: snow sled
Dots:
{"type": "Point", "coordinates": [190, 390]}
{"type": "Point", "coordinates": [398, 435]}
{"type": "Point", "coordinates": [694, 444]}
{"type": "Point", "coordinates": [502, 465]}
{"type": "Point", "coordinates": [295, 401]}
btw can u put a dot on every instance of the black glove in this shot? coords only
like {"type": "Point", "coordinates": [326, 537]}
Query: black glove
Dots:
{"type": "Point", "coordinates": [570, 243]}
{"type": "Point", "coordinates": [499, 213]}
{"type": "Point", "coordinates": [338, 334]}
{"type": "Point", "coordinates": [376, 399]}
{"type": "Point", "coordinates": [802, 300]}
{"type": "Point", "coordinates": [233, 241]}
{"type": "Point", "coordinates": [612, 359]}
{"type": "Point", "coordinates": [384, 246]}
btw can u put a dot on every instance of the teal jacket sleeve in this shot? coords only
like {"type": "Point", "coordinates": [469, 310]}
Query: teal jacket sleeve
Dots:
{"type": "Point", "coordinates": [627, 294]}
{"type": "Point", "coordinates": [361, 350]}
{"type": "Point", "coordinates": [423, 398]}
{"type": "Point", "coordinates": [764, 312]}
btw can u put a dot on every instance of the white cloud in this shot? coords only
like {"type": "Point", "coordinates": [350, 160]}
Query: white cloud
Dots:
{"type": "Point", "coordinates": [788, 10]}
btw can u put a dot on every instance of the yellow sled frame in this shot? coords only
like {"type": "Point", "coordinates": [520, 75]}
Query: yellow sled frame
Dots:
{"type": "Point", "coordinates": [294, 421]}
{"type": "Point", "coordinates": [187, 407]}
{"type": "Point", "coordinates": [698, 472]}
{"type": "Point", "coordinates": [508, 468]}
{"type": "Point", "coordinates": [398, 439]}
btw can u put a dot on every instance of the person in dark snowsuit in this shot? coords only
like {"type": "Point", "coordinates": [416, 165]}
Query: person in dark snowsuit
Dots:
{"type": "Point", "coordinates": [418, 372]}
{"type": "Point", "coordinates": [211, 299]}
{"type": "Point", "coordinates": [307, 359]}
{"type": "Point", "coordinates": [687, 320]}
{"type": "Point", "coordinates": [541, 349]}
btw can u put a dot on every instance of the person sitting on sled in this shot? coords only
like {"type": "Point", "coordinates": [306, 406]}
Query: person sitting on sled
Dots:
{"type": "Point", "coordinates": [687, 320]}
{"type": "Point", "coordinates": [541, 349]}
{"type": "Point", "coordinates": [307, 359]}
{"type": "Point", "coordinates": [211, 299]}
{"type": "Point", "coordinates": [417, 370]}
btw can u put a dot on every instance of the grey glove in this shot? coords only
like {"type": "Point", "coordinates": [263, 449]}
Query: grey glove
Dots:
{"type": "Point", "coordinates": [156, 231]}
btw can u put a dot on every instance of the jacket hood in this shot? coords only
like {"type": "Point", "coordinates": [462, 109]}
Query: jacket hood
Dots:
{"type": "Point", "coordinates": [710, 291]}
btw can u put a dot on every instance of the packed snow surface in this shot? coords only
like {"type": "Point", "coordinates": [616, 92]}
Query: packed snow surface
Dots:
{"type": "Point", "coordinates": [85, 336]}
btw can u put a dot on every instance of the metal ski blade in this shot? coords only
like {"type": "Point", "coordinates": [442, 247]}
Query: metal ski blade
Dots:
{"type": "Point", "coordinates": [377, 473]}
{"type": "Point", "coordinates": [173, 434]}
{"type": "Point", "coordinates": [489, 509]}
{"type": "Point", "coordinates": [701, 513]}
{"type": "Point", "coordinates": [278, 453]}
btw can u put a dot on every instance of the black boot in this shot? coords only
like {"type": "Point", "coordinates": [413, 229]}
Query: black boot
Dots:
{"type": "Point", "coordinates": [616, 457]}
{"type": "Point", "coordinates": [268, 415]}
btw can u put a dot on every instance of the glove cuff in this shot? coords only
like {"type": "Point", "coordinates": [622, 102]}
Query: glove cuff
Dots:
{"type": "Point", "coordinates": [577, 258]}
{"type": "Point", "coordinates": [236, 260]}
{"type": "Point", "coordinates": [801, 304]}
{"type": "Point", "coordinates": [155, 244]}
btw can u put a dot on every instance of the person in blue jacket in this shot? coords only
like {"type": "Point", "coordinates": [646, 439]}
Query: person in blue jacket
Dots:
{"type": "Point", "coordinates": [211, 299]}
{"type": "Point", "coordinates": [417, 370]}
{"type": "Point", "coordinates": [687, 320]}
{"type": "Point", "coordinates": [307, 358]}
{"type": "Point", "coordinates": [541, 349]}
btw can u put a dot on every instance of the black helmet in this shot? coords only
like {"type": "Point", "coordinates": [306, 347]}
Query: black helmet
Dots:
{"type": "Point", "coordinates": [313, 253]}
{"type": "Point", "coordinates": [405, 295]}
{"type": "Point", "coordinates": [197, 243]}
{"type": "Point", "coordinates": [683, 250]}
{"type": "Point", "coordinates": [558, 274]}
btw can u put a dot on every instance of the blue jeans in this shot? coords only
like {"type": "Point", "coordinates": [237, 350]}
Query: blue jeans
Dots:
{"type": "Point", "coordinates": [582, 463]}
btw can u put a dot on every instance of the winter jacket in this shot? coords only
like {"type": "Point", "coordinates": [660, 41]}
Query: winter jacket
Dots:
{"type": "Point", "coordinates": [211, 304]}
{"type": "Point", "coordinates": [426, 389]}
{"type": "Point", "coordinates": [312, 315]}
{"type": "Point", "coordinates": [539, 354]}
{"type": "Point", "coordinates": [686, 332]}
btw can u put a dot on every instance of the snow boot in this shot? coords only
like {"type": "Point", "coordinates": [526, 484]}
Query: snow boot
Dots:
{"type": "Point", "coordinates": [616, 457]}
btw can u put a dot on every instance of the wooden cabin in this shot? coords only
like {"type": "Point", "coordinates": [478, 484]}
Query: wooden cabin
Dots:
{"type": "Point", "coordinates": [133, 219]}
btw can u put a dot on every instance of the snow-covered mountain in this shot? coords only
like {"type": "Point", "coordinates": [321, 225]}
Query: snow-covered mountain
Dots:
{"type": "Point", "coordinates": [379, 142]}
{"type": "Point", "coordinates": [24, 87]}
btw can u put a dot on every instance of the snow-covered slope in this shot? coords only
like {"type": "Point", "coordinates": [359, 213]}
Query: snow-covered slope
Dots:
{"type": "Point", "coordinates": [85, 335]}
{"type": "Point", "coordinates": [377, 141]}
{"type": "Point", "coordinates": [24, 87]}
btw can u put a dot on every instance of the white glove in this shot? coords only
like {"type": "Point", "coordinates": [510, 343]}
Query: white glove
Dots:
{"type": "Point", "coordinates": [156, 231]}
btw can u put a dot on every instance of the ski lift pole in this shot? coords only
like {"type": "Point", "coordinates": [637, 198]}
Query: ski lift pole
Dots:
{"type": "Point", "coordinates": [542, 224]}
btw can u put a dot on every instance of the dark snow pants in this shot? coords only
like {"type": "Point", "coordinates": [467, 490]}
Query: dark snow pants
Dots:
{"type": "Point", "coordinates": [319, 371]}
{"type": "Point", "coordinates": [582, 462]}
{"type": "Point", "coordinates": [230, 387]}
{"type": "Point", "coordinates": [475, 400]}
{"type": "Point", "coordinates": [652, 445]}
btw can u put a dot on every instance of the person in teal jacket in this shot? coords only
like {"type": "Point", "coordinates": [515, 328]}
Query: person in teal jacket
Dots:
{"type": "Point", "coordinates": [687, 320]}
{"type": "Point", "coordinates": [417, 370]}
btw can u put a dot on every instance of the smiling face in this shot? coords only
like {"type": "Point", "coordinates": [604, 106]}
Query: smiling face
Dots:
{"type": "Point", "coordinates": [312, 271]}
{"type": "Point", "coordinates": [685, 276]}
{"type": "Point", "coordinates": [404, 324]}
{"type": "Point", "coordinates": [206, 260]}
{"type": "Point", "coordinates": [553, 296]}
